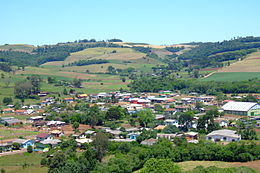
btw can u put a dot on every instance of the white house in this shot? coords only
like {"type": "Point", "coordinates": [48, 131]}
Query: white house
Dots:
{"type": "Point", "coordinates": [223, 135]}
{"type": "Point", "coordinates": [173, 122]}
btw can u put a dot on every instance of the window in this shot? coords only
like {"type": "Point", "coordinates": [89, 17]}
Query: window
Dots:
{"type": "Point", "coordinates": [224, 138]}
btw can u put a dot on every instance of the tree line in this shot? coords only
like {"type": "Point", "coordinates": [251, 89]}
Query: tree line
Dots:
{"type": "Point", "coordinates": [130, 157]}
{"type": "Point", "coordinates": [157, 83]}
{"type": "Point", "coordinates": [88, 62]}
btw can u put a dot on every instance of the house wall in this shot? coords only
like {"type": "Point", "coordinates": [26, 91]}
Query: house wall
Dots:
{"type": "Point", "coordinates": [254, 112]}
{"type": "Point", "coordinates": [216, 138]}
{"type": "Point", "coordinates": [236, 112]}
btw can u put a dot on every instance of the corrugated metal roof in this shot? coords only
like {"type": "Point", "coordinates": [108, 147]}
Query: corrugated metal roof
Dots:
{"type": "Point", "coordinates": [229, 133]}
{"type": "Point", "coordinates": [238, 106]}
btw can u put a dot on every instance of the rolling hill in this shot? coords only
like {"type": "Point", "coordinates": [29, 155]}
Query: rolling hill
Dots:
{"type": "Point", "coordinates": [17, 47]}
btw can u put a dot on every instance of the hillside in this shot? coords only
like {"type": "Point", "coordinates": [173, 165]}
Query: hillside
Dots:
{"type": "Point", "coordinates": [250, 64]}
{"type": "Point", "coordinates": [17, 47]}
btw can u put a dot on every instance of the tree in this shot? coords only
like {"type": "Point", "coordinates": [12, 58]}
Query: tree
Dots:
{"type": "Point", "coordinates": [186, 119]}
{"type": "Point", "coordinates": [3, 170]}
{"type": "Point", "coordinates": [115, 113]}
{"type": "Point", "coordinates": [75, 125]}
{"type": "Point", "coordinates": [123, 79]}
{"type": "Point", "coordinates": [154, 165]}
{"type": "Point", "coordinates": [158, 108]}
{"type": "Point", "coordinates": [16, 146]}
{"type": "Point", "coordinates": [44, 162]}
{"type": "Point", "coordinates": [65, 92]}
{"type": "Point", "coordinates": [171, 129]}
{"type": "Point", "coordinates": [101, 144]}
{"type": "Point", "coordinates": [29, 149]}
{"type": "Point", "coordinates": [51, 80]}
{"type": "Point", "coordinates": [145, 117]}
{"type": "Point", "coordinates": [146, 134]}
{"type": "Point", "coordinates": [7, 100]}
{"type": "Point", "coordinates": [199, 105]}
{"type": "Point", "coordinates": [196, 74]}
{"type": "Point", "coordinates": [36, 82]}
{"type": "Point", "coordinates": [23, 89]}
{"type": "Point", "coordinates": [76, 83]}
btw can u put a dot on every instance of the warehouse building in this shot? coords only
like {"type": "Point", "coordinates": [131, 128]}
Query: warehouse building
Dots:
{"type": "Point", "coordinates": [242, 108]}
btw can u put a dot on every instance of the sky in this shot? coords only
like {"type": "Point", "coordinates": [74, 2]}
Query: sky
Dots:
{"type": "Point", "coordinates": [161, 22]}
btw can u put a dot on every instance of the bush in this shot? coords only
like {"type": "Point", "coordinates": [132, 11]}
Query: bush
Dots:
{"type": "Point", "coordinates": [44, 162]}
{"type": "Point", "coordinates": [244, 157]}
{"type": "Point", "coordinates": [29, 149]}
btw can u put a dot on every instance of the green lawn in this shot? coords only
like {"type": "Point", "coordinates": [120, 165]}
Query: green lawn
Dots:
{"type": "Point", "coordinates": [14, 163]}
{"type": "Point", "coordinates": [9, 134]}
{"type": "Point", "coordinates": [232, 76]}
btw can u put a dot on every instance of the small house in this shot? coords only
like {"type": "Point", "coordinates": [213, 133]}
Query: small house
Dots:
{"type": "Point", "coordinates": [43, 136]}
{"type": "Point", "coordinates": [57, 133]}
{"type": "Point", "coordinates": [24, 142]}
{"type": "Point", "coordinates": [223, 135]}
{"type": "Point", "coordinates": [68, 100]}
{"type": "Point", "coordinates": [149, 142]}
{"type": "Point", "coordinates": [171, 122]}
{"type": "Point", "coordinates": [9, 121]}
{"type": "Point", "coordinates": [133, 135]}
{"type": "Point", "coordinates": [8, 110]}
{"type": "Point", "coordinates": [20, 112]}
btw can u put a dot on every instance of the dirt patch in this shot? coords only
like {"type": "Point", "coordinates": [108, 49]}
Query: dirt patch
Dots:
{"type": "Point", "coordinates": [254, 164]}
{"type": "Point", "coordinates": [68, 130]}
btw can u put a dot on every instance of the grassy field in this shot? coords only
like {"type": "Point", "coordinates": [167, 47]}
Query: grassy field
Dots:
{"type": "Point", "coordinates": [14, 163]}
{"type": "Point", "coordinates": [11, 134]}
{"type": "Point", "coordinates": [17, 47]}
{"type": "Point", "coordinates": [232, 76]}
{"type": "Point", "coordinates": [250, 64]}
{"type": "Point", "coordinates": [189, 165]}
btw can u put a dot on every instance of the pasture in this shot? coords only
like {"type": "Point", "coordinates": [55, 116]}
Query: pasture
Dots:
{"type": "Point", "coordinates": [22, 163]}
{"type": "Point", "coordinates": [231, 76]}
{"type": "Point", "coordinates": [17, 47]}
{"type": "Point", "coordinates": [189, 165]}
{"type": "Point", "coordinates": [250, 64]}
{"type": "Point", "coordinates": [12, 134]}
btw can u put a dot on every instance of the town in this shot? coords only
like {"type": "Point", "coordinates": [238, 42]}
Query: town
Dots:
{"type": "Point", "coordinates": [126, 117]}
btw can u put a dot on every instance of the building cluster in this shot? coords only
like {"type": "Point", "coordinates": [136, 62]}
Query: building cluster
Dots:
{"type": "Point", "coordinates": [171, 103]}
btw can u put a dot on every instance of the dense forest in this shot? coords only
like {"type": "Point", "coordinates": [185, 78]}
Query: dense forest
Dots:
{"type": "Point", "coordinates": [155, 84]}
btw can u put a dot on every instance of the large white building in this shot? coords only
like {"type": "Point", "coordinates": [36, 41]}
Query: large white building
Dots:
{"type": "Point", "coordinates": [223, 135]}
{"type": "Point", "coordinates": [242, 108]}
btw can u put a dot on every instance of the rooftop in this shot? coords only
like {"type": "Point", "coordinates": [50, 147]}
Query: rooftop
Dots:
{"type": "Point", "coordinates": [229, 133]}
{"type": "Point", "coordinates": [238, 106]}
